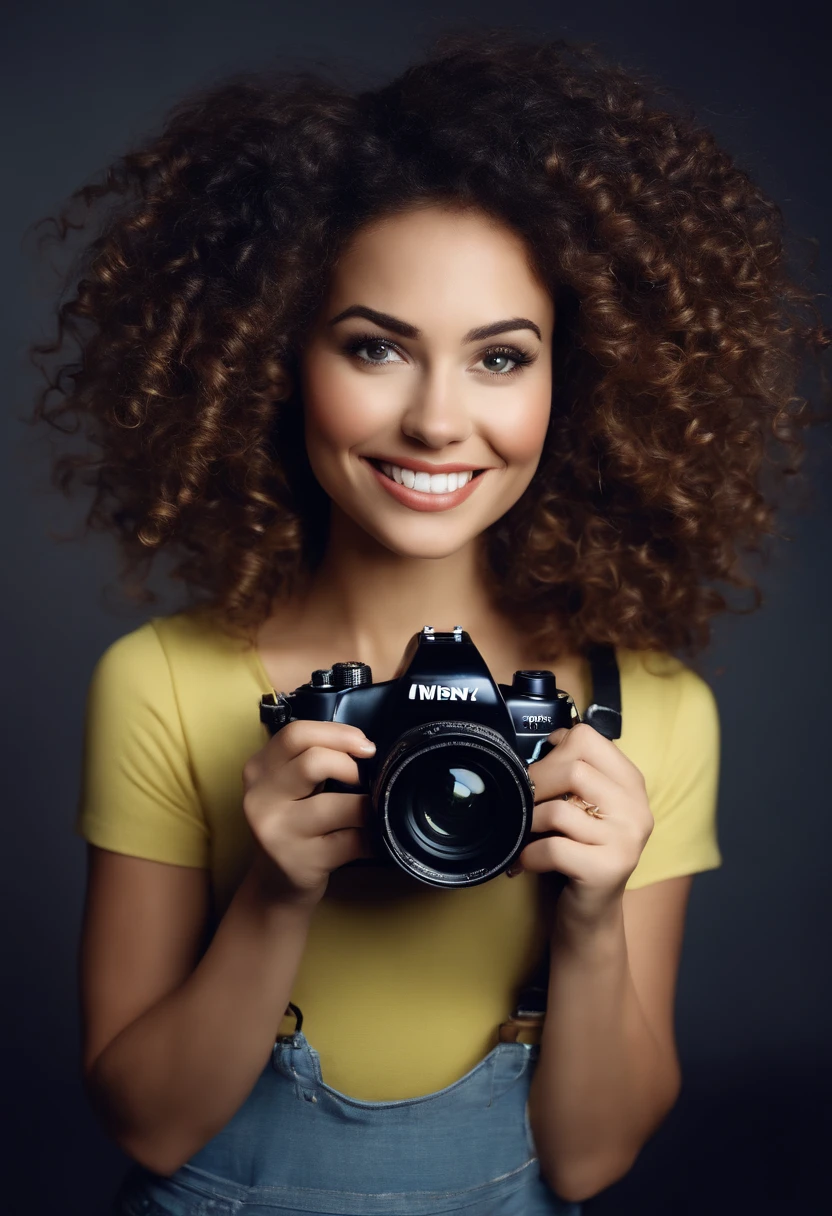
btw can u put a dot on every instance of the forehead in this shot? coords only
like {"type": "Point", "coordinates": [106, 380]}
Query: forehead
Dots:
{"type": "Point", "coordinates": [441, 261]}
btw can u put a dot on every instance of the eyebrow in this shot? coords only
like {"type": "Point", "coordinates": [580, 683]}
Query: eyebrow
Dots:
{"type": "Point", "coordinates": [386, 321]}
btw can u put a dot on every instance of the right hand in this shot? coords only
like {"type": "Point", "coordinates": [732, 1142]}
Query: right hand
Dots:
{"type": "Point", "coordinates": [303, 835]}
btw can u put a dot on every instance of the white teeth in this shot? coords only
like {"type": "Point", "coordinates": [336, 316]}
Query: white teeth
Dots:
{"type": "Point", "coordinates": [427, 483]}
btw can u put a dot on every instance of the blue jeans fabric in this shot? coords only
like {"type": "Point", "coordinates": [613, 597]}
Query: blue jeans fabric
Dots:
{"type": "Point", "coordinates": [297, 1145]}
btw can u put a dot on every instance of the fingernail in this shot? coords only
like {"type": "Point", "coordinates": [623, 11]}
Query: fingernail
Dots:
{"type": "Point", "coordinates": [514, 870]}
{"type": "Point", "coordinates": [367, 746]}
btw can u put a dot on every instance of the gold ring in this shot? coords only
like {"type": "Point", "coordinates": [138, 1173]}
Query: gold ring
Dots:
{"type": "Point", "coordinates": [589, 807]}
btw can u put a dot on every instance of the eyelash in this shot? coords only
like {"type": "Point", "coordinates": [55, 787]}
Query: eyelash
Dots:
{"type": "Point", "coordinates": [520, 358]}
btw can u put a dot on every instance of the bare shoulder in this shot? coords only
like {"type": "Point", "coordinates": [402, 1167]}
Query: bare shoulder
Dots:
{"type": "Point", "coordinates": [145, 926]}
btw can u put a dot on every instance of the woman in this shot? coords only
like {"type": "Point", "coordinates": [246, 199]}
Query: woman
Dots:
{"type": "Point", "coordinates": [500, 344]}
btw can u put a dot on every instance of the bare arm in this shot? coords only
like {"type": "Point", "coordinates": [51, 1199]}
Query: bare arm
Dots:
{"type": "Point", "coordinates": [174, 1043]}
{"type": "Point", "coordinates": [608, 1071]}
{"type": "Point", "coordinates": [173, 1049]}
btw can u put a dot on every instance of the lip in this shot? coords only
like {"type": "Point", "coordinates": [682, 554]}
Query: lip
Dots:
{"type": "Point", "coordinates": [418, 500]}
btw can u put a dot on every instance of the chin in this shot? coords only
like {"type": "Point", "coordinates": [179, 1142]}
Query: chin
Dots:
{"type": "Point", "coordinates": [436, 542]}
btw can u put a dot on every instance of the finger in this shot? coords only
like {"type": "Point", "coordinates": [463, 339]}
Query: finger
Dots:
{"type": "Point", "coordinates": [571, 820]}
{"type": "Point", "coordinates": [559, 853]}
{"type": "Point", "coordinates": [328, 812]}
{"type": "Point", "coordinates": [577, 776]}
{"type": "Point", "coordinates": [584, 742]}
{"type": "Point", "coordinates": [302, 775]}
{"type": "Point", "coordinates": [296, 737]}
{"type": "Point", "coordinates": [346, 845]}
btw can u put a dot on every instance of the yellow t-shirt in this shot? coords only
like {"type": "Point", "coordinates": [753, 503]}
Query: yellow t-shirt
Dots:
{"type": "Point", "coordinates": [402, 986]}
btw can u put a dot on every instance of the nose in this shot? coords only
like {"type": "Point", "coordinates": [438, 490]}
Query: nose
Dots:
{"type": "Point", "coordinates": [436, 414]}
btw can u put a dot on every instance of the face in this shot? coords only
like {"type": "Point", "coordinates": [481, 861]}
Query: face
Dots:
{"type": "Point", "coordinates": [426, 379]}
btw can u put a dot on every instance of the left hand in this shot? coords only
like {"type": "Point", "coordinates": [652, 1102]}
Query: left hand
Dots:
{"type": "Point", "coordinates": [596, 856]}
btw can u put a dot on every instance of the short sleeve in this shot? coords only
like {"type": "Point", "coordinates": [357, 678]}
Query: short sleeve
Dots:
{"type": "Point", "coordinates": [137, 792]}
{"type": "Point", "coordinates": [684, 801]}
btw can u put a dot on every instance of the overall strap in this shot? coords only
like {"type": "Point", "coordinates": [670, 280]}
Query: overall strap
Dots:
{"type": "Point", "coordinates": [605, 711]}
{"type": "Point", "coordinates": [604, 714]}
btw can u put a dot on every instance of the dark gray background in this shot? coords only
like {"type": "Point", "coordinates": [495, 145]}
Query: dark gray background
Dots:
{"type": "Point", "coordinates": [80, 82]}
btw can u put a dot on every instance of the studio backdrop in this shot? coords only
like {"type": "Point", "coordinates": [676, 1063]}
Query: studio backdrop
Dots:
{"type": "Point", "coordinates": [83, 82]}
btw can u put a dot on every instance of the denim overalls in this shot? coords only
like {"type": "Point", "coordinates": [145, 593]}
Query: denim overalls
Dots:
{"type": "Point", "coordinates": [297, 1145]}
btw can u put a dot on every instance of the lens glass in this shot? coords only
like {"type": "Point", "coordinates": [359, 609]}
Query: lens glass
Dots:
{"type": "Point", "coordinates": [452, 807]}
{"type": "Point", "coordinates": [455, 806]}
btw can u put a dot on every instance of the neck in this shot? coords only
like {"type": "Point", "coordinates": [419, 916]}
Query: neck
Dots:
{"type": "Point", "coordinates": [369, 601]}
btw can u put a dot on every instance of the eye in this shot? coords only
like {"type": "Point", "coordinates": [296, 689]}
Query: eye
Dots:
{"type": "Point", "coordinates": [512, 354]}
{"type": "Point", "coordinates": [371, 343]}
{"type": "Point", "coordinates": [375, 345]}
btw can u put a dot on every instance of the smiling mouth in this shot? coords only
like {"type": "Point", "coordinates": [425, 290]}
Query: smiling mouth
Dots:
{"type": "Point", "coordinates": [426, 483]}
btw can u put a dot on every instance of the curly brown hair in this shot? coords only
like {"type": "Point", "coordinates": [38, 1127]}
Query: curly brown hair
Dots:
{"type": "Point", "coordinates": [678, 345]}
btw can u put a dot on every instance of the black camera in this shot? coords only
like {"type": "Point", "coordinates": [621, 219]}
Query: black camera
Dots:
{"type": "Point", "coordinates": [451, 796]}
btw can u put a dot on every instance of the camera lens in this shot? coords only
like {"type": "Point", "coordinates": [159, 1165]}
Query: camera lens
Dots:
{"type": "Point", "coordinates": [454, 802]}
{"type": "Point", "coordinates": [451, 808]}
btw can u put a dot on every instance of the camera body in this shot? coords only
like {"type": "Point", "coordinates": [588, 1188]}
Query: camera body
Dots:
{"type": "Point", "coordinates": [451, 798]}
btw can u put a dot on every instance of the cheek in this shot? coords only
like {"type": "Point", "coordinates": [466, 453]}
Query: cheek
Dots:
{"type": "Point", "coordinates": [340, 410]}
{"type": "Point", "coordinates": [520, 433]}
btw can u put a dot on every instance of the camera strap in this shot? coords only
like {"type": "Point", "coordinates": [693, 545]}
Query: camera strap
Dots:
{"type": "Point", "coordinates": [604, 714]}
